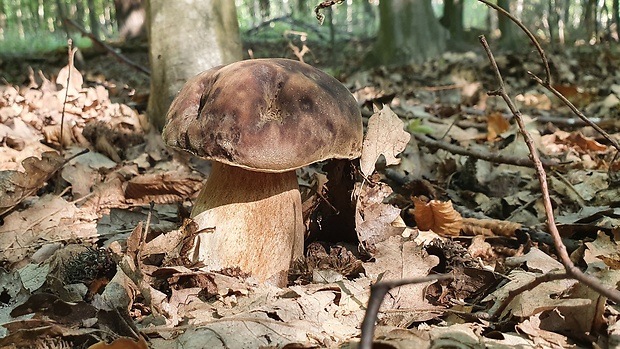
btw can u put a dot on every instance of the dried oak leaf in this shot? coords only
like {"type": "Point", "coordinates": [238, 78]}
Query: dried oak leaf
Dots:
{"type": "Point", "coordinates": [385, 136]}
{"type": "Point", "coordinates": [69, 78]}
{"type": "Point", "coordinates": [397, 258]}
{"type": "Point", "coordinates": [121, 343]}
{"type": "Point", "coordinates": [17, 185]}
{"type": "Point", "coordinates": [162, 188]}
{"type": "Point", "coordinates": [496, 125]}
{"type": "Point", "coordinates": [373, 217]}
{"type": "Point", "coordinates": [437, 216]}
{"type": "Point", "coordinates": [585, 143]}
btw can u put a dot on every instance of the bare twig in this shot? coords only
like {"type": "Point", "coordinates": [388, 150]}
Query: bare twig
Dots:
{"type": "Point", "coordinates": [575, 111]}
{"type": "Point", "coordinates": [377, 293]}
{"type": "Point", "coordinates": [546, 83]}
{"type": "Point", "coordinates": [571, 270]}
{"type": "Point", "coordinates": [108, 48]}
{"type": "Point", "coordinates": [64, 102]}
{"type": "Point", "coordinates": [527, 287]}
{"type": "Point", "coordinates": [529, 34]}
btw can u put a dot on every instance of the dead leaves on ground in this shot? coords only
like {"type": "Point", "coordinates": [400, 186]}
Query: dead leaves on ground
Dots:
{"type": "Point", "coordinates": [17, 185]}
{"type": "Point", "coordinates": [385, 136]}
{"type": "Point", "coordinates": [404, 231]}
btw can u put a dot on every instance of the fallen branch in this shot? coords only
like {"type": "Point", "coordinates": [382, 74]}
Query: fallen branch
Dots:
{"type": "Point", "coordinates": [108, 48]}
{"type": "Point", "coordinates": [491, 157]}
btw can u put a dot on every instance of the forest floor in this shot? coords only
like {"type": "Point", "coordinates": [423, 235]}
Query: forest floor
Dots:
{"type": "Point", "coordinates": [86, 258]}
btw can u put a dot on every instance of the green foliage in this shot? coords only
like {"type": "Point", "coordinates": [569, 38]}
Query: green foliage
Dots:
{"type": "Point", "coordinates": [33, 44]}
{"type": "Point", "coordinates": [415, 126]}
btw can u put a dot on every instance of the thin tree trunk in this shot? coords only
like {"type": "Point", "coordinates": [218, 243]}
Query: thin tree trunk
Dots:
{"type": "Point", "coordinates": [408, 32]}
{"type": "Point", "coordinates": [131, 18]}
{"type": "Point", "coordinates": [93, 19]}
{"type": "Point", "coordinates": [453, 18]}
{"type": "Point", "coordinates": [508, 40]}
{"type": "Point", "coordinates": [185, 38]}
{"type": "Point", "coordinates": [589, 18]}
{"type": "Point", "coordinates": [2, 20]}
{"type": "Point", "coordinates": [616, 18]}
{"type": "Point", "coordinates": [18, 19]}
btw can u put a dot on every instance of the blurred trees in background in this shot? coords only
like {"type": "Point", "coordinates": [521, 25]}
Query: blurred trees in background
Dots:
{"type": "Point", "coordinates": [25, 23]}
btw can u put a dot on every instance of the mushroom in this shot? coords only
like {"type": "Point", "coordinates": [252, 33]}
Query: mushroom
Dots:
{"type": "Point", "coordinates": [258, 121]}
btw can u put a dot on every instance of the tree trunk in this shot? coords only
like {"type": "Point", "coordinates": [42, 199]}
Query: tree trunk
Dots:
{"type": "Point", "coordinates": [185, 38]}
{"type": "Point", "coordinates": [3, 25]}
{"type": "Point", "coordinates": [616, 19]}
{"type": "Point", "coordinates": [130, 18]}
{"type": "Point", "coordinates": [408, 32]}
{"type": "Point", "coordinates": [551, 21]}
{"type": "Point", "coordinates": [589, 18]}
{"type": "Point", "coordinates": [508, 40]}
{"type": "Point", "coordinates": [93, 18]}
{"type": "Point", "coordinates": [453, 18]}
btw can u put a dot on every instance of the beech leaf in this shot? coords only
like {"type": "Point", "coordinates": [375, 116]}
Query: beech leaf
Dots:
{"type": "Point", "coordinates": [437, 216]}
{"type": "Point", "coordinates": [385, 136]}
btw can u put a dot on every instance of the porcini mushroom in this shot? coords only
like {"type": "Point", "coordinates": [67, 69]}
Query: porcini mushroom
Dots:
{"type": "Point", "coordinates": [258, 121]}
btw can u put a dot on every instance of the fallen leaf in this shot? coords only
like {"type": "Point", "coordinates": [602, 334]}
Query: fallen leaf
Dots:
{"type": "Point", "coordinates": [121, 343]}
{"type": "Point", "coordinates": [395, 259]}
{"type": "Point", "coordinates": [167, 187]}
{"type": "Point", "coordinates": [496, 125]}
{"type": "Point", "coordinates": [17, 185]}
{"type": "Point", "coordinates": [373, 218]}
{"type": "Point", "coordinates": [437, 216]}
{"type": "Point", "coordinates": [385, 136]}
{"type": "Point", "coordinates": [69, 78]}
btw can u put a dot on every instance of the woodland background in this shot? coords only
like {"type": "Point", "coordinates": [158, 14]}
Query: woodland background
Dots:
{"type": "Point", "coordinates": [93, 205]}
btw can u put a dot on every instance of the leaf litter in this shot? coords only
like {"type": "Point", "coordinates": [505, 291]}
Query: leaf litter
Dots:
{"type": "Point", "coordinates": [88, 261]}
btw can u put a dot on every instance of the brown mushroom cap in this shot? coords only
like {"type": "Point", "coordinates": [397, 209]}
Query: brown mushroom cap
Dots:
{"type": "Point", "coordinates": [268, 115]}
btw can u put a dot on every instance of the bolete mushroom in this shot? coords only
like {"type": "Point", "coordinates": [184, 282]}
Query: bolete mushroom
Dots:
{"type": "Point", "coordinates": [259, 120]}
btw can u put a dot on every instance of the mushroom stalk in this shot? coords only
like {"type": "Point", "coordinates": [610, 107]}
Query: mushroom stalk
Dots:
{"type": "Point", "coordinates": [257, 221]}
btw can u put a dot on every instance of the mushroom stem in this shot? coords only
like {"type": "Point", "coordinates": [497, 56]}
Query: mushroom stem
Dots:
{"type": "Point", "coordinates": [258, 222]}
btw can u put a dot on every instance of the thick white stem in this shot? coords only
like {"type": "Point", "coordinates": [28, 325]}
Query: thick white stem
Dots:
{"type": "Point", "coordinates": [257, 219]}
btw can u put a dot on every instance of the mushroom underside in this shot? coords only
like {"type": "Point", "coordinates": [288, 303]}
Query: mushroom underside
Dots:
{"type": "Point", "coordinates": [250, 220]}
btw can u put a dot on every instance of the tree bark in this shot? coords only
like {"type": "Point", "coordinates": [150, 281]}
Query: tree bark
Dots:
{"type": "Point", "coordinates": [130, 18]}
{"type": "Point", "coordinates": [508, 40]}
{"type": "Point", "coordinates": [93, 18]}
{"type": "Point", "coordinates": [453, 18]}
{"type": "Point", "coordinates": [408, 32]}
{"type": "Point", "coordinates": [589, 18]}
{"type": "Point", "coordinates": [616, 18]}
{"type": "Point", "coordinates": [185, 38]}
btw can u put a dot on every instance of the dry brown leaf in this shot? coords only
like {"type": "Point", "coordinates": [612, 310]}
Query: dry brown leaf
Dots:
{"type": "Point", "coordinates": [81, 176]}
{"type": "Point", "coordinates": [543, 339]}
{"type": "Point", "coordinates": [52, 135]}
{"type": "Point", "coordinates": [385, 136]}
{"type": "Point", "coordinates": [489, 227]}
{"type": "Point", "coordinates": [395, 259]}
{"type": "Point", "coordinates": [50, 218]}
{"type": "Point", "coordinates": [121, 343]}
{"type": "Point", "coordinates": [535, 260]}
{"type": "Point", "coordinates": [496, 125]}
{"type": "Point", "coordinates": [103, 145]}
{"type": "Point", "coordinates": [161, 188]}
{"type": "Point", "coordinates": [373, 218]}
{"type": "Point", "coordinates": [17, 185]}
{"type": "Point", "coordinates": [481, 249]}
{"type": "Point", "coordinates": [585, 143]}
{"type": "Point", "coordinates": [69, 78]}
{"type": "Point", "coordinates": [437, 216]}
